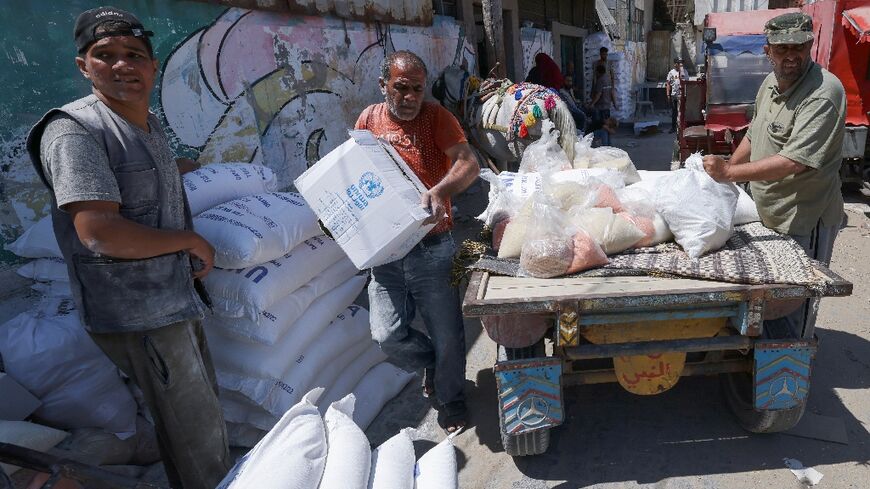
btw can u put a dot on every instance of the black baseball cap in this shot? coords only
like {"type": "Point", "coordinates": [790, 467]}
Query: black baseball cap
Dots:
{"type": "Point", "coordinates": [88, 21]}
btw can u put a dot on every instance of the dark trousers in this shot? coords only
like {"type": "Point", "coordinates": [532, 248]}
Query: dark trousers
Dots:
{"type": "Point", "coordinates": [173, 368]}
{"type": "Point", "coordinates": [675, 107]}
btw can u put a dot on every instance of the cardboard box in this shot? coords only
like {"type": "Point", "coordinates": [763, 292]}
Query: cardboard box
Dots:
{"type": "Point", "coordinates": [369, 200]}
{"type": "Point", "coordinates": [17, 402]}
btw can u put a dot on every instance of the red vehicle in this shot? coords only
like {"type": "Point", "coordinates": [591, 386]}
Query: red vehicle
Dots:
{"type": "Point", "coordinates": [715, 110]}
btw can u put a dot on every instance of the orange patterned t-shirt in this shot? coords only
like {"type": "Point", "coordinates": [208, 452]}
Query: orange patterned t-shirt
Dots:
{"type": "Point", "coordinates": [421, 142]}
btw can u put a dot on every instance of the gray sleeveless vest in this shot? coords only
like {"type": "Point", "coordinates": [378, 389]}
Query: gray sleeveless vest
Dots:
{"type": "Point", "coordinates": [118, 295]}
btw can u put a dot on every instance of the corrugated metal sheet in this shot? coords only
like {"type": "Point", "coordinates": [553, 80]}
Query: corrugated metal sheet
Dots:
{"type": "Point", "coordinates": [410, 12]}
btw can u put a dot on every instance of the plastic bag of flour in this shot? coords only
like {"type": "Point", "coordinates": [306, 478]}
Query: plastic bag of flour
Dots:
{"type": "Point", "coordinates": [291, 456]}
{"type": "Point", "coordinates": [38, 241]}
{"type": "Point", "coordinates": [349, 457]}
{"type": "Point", "coordinates": [437, 469]}
{"type": "Point", "coordinates": [51, 355]}
{"type": "Point", "coordinates": [350, 376]}
{"type": "Point", "coordinates": [250, 291]}
{"type": "Point", "coordinates": [608, 157]}
{"type": "Point", "coordinates": [380, 384]}
{"type": "Point", "coordinates": [393, 463]}
{"type": "Point", "coordinates": [548, 249]}
{"type": "Point", "coordinates": [612, 231]}
{"type": "Point", "coordinates": [698, 210]}
{"type": "Point", "coordinates": [251, 230]}
{"type": "Point", "coordinates": [545, 154]}
{"type": "Point", "coordinates": [273, 323]}
{"type": "Point", "coordinates": [273, 362]}
{"type": "Point", "coordinates": [217, 183]}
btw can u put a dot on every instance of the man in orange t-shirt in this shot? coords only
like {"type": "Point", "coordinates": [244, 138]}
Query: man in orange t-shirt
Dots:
{"type": "Point", "coordinates": [432, 143]}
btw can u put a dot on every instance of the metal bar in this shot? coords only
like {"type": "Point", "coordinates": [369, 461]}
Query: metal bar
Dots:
{"type": "Point", "coordinates": [630, 317]}
{"type": "Point", "coordinates": [607, 376]}
{"type": "Point", "coordinates": [92, 477]}
{"type": "Point", "coordinates": [584, 352]}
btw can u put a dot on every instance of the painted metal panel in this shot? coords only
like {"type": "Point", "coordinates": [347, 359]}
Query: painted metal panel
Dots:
{"type": "Point", "coordinates": [530, 394]}
{"type": "Point", "coordinates": [782, 373]}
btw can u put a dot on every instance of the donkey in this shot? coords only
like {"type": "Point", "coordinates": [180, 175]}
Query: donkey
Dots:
{"type": "Point", "coordinates": [495, 114]}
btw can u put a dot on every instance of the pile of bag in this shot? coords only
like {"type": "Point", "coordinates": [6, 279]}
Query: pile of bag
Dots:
{"type": "Point", "coordinates": [331, 451]}
{"type": "Point", "coordinates": [282, 293]}
{"type": "Point", "coordinates": [559, 221]}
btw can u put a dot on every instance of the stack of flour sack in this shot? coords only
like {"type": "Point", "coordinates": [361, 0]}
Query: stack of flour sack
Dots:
{"type": "Point", "coordinates": [284, 320]}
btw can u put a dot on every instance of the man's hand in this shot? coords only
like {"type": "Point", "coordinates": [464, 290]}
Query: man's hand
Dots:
{"type": "Point", "coordinates": [186, 165]}
{"type": "Point", "coordinates": [204, 252]}
{"type": "Point", "coordinates": [717, 167]}
{"type": "Point", "coordinates": [435, 204]}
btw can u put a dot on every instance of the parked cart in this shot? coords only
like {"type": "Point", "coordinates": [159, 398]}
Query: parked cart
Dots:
{"type": "Point", "coordinates": [644, 333]}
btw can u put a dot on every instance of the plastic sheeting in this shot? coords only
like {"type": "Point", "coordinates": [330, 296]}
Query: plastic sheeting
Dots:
{"type": "Point", "coordinates": [735, 45]}
{"type": "Point", "coordinates": [857, 20]}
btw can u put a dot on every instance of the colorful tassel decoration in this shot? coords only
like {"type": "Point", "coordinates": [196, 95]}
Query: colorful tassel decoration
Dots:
{"type": "Point", "coordinates": [550, 103]}
{"type": "Point", "coordinates": [524, 131]}
{"type": "Point", "coordinates": [518, 95]}
{"type": "Point", "coordinates": [530, 120]}
{"type": "Point", "coordinates": [537, 112]}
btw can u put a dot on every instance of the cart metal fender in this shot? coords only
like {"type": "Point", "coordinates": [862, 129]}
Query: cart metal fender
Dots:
{"type": "Point", "coordinates": [782, 373]}
{"type": "Point", "coordinates": [530, 394]}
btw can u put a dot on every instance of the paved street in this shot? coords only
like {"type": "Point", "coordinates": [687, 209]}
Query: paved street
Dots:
{"type": "Point", "coordinates": [686, 437]}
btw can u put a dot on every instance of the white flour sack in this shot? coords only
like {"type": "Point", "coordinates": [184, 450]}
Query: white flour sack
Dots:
{"type": "Point", "coordinates": [274, 322]}
{"type": "Point", "coordinates": [393, 463]}
{"type": "Point", "coordinates": [255, 229]}
{"type": "Point", "coordinates": [51, 355]}
{"type": "Point", "coordinates": [222, 182]}
{"type": "Point", "coordinates": [291, 456]}
{"type": "Point", "coordinates": [38, 241]}
{"type": "Point", "coordinates": [45, 270]}
{"type": "Point", "coordinates": [250, 291]}
{"type": "Point", "coordinates": [273, 361]}
{"type": "Point", "coordinates": [350, 376]}
{"type": "Point", "coordinates": [698, 210]}
{"type": "Point", "coordinates": [380, 384]}
{"type": "Point", "coordinates": [276, 395]}
{"type": "Point", "coordinates": [239, 410]}
{"type": "Point", "coordinates": [436, 469]}
{"type": "Point", "coordinates": [349, 457]}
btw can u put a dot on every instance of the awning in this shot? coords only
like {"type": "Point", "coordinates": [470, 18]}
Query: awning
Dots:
{"type": "Point", "coordinates": [857, 20]}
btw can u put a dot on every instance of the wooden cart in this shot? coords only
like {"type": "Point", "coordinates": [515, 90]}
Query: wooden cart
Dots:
{"type": "Point", "coordinates": [644, 333]}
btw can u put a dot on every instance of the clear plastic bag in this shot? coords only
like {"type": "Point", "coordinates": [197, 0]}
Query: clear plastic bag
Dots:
{"type": "Point", "coordinates": [608, 157]}
{"type": "Point", "coordinates": [613, 232]}
{"type": "Point", "coordinates": [554, 247]}
{"type": "Point", "coordinates": [545, 154]}
{"type": "Point", "coordinates": [638, 207]}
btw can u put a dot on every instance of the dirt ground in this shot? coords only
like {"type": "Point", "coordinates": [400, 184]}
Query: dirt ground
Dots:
{"type": "Point", "coordinates": [686, 437]}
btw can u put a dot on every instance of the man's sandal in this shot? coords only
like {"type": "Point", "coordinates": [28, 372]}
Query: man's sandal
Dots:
{"type": "Point", "coordinates": [428, 382]}
{"type": "Point", "coordinates": [453, 417]}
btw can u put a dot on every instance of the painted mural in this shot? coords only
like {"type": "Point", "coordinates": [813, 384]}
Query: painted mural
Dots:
{"type": "Point", "coordinates": [283, 90]}
{"type": "Point", "coordinates": [236, 85]}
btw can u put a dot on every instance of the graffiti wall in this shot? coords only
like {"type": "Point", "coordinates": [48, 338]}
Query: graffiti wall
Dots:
{"type": "Point", "coordinates": [236, 85]}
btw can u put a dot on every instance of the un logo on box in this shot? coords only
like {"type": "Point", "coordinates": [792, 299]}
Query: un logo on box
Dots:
{"type": "Point", "coordinates": [371, 185]}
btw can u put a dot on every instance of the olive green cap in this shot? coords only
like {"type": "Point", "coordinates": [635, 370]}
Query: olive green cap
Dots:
{"type": "Point", "coordinates": [790, 28]}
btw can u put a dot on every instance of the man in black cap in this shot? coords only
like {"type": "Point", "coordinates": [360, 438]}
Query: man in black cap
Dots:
{"type": "Point", "coordinates": [792, 153]}
{"type": "Point", "coordinates": [123, 225]}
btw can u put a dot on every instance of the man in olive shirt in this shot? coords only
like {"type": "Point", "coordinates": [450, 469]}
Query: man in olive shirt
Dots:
{"type": "Point", "coordinates": [792, 153]}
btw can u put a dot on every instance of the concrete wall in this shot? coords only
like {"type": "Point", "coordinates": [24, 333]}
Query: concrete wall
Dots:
{"type": "Point", "coordinates": [534, 41]}
{"type": "Point", "coordinates": [236, 85]}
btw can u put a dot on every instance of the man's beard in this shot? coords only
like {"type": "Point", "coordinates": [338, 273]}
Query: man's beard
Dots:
{"type": "Point", "coordinates": [792, 76]}
{"type": "Point", "coordinates": [394, 109]}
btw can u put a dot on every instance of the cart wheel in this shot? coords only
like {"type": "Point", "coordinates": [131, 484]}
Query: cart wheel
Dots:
{"type": "Point", "coordinates": [737, 388]}
{"type": "Point", "coordinates": [534, 442]}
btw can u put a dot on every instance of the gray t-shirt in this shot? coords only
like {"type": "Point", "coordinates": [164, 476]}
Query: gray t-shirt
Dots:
{"type": "Point", "coordinates": [78, 168]}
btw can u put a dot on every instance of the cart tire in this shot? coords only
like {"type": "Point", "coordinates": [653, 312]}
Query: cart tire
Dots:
{"type": "Point", "coordinates": [737, 388]}
{"type": "Point", "coordinates": [534, 442]}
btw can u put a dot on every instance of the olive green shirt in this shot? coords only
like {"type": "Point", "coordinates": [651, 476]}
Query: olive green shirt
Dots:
{"type": "Point", "coordinates": [804, 124]}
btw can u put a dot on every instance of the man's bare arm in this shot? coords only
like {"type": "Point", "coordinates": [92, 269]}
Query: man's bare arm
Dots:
{"type": "Point", "coordinates": [102, 229]}
{"type": "Point", "coordinates": [774, 167]}
{"type": "Point", "coordinates": [741, 154]}
{"type": "Point", "coordinates": [464, 171]}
